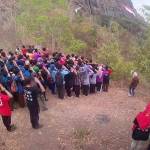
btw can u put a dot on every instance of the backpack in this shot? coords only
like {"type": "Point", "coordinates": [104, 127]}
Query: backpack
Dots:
{"type": "Point", "coordinates": [140, 134]}
{"type": "Point", "coordinates": [59, 79]}
{"type": "Point", "coordinates": [13, 87]}
{"type": "Point", "coordinates": [27, 74]}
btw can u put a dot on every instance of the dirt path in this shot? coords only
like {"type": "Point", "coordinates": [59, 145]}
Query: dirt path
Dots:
{"type": "Point", "coordinates": [97, 122]}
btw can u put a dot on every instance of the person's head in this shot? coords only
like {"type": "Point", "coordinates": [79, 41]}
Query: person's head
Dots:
{"type": "Point", "coordinates": [82, 57]}
{"type": "Point", "coordinates": [79, 62]}
{"type": "Point", "coordinates": [3, 54]}
{"type": "Point", "coordinates": [23, 46]}
{"type": "Point", "coordinates": [77, 68]}
{"type": "Point", "coordinates": [44, 49]}
{"type": "Point", "coordinates": [20, 57]}
{"type": "Point", "coordinates": [90, 61]}
{"type": "Point", "coordinates": [135, 74]}
{"type": "Point", "coordinates": [59, 66]}
{"type": "Point", "coordinates": [1, 50]}
{"type": "Point", "coordinates": [106, 67]}
{"type": "Point", "coordinates": [68, 57]}
{"type": "Point", "coordinates": [15, 70]}
{"type": "Point", "coordinates": [29, 46]}
{"type": "Point", "coordinates": [26, 67]}
{"type": "Point", "coordinates": [36, 50]}
{"type": "Point", "coordinates": [72, 55]}
{"type": "Point", "coordinates": [76, 57]}
{"type": "Point", "coordinates": [27, 81]}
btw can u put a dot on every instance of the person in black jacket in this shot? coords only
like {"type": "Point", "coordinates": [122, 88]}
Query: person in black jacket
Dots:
{"type": "Point", "coordinates": [69, 82]}
{"type": "Point", "coordinates": [31, 93]}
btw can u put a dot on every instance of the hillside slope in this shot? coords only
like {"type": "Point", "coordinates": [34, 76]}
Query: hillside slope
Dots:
{"type": "Point", "coordinates": [97, 122]}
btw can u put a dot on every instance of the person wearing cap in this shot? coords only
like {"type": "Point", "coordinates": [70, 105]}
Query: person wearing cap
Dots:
{"type": "Point", "coordinates": [134, 83]}
{"type": "Point", "coordinates": [5, 109]}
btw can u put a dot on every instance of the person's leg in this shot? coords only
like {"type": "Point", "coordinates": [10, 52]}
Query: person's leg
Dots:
{"type": "Point", "coordinates": [77, 90]}
{"type": "Point", "coordinates": [53, 88]}
{"type": "Point", "coordinates": [130, 91]}
{"type": "Point", "coordinates": [90, 88]}
{"type": "Point", "coordinates": [142, 145]}
{"type": "Point", "coordinates": [34, 117]}
{"type": "Point", "coordinates": [133, 91]}
{"type": "Point", "coordinates": [83, 89]}
{"type": "Point", "coordinates": [7, 122]}
{"type": "Point", "coordinates": [21, 100]}
{"type": "Point", "coordinates": [98, 85]}
{"type": "Point", "coordinates": [106, 87]}
{"type": "Point", "coordinates": [69, 92]}
{"type": "Point", "coordinates": [94, 86]}
{"type": "Point", "coordinates": [41, 100]}
{"type": "Point", "coordinates": [134, 145]}
{"type": "Point", "coordinates": [61, 92]}
{"type": "Point", "coordinates": [86, 90]}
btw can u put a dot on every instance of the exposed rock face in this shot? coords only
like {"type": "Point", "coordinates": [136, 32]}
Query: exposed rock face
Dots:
{"type": "Point", "coordinates": [111, 9]}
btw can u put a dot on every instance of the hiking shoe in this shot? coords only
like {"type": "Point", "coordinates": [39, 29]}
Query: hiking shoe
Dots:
{"type": "Point", "coordinates": [129, 95]}
{"type": "Point", "coordinates": [12, 128]}
{"type": "Point", "coordinates": [44, 109]}
{"type": "Point", "coordinates": [38, 127]}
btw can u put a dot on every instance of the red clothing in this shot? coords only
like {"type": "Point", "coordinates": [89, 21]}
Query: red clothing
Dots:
{"type": "Point", "coordinates": [24, 51]}
{"type": "Point", "coordinates": [5, 109]}
{"type": "Point", "coordinates": [110, 71]}
{"type": "Point", "coordinates": [143, 118]}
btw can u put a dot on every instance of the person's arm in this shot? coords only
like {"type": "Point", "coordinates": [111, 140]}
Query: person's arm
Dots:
{"type": "Point", "coordinates": [46, 70]}
{"type": "Point", "coordinates": [6, 91]}
{"type": "Point", "coordinates": [7, 70]}
{"type": "Point", "coordinates": [21, 74]}
{"type": "Point", "coordinates": [39, 83]}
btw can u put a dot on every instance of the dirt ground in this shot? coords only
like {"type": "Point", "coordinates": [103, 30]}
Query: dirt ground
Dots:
{"type": "Point", "coordinates": [101, 121]}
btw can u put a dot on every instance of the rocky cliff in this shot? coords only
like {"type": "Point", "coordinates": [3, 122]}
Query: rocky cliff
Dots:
{"type": "Point", "coordinates": [122, 11]}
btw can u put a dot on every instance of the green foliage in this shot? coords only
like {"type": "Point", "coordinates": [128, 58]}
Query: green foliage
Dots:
{"type": "Point", "coordinates": [77, 46]}
{"type": "Point", "coordinates": [110, 54]}
{"type": "Point", "coordinates": [47, 23]}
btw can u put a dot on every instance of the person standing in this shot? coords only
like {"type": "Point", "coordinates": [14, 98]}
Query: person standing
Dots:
{"type": "Point", "coordinates": [141, 130]}
{"type": "Point", "coordinates": [93, 81]}
{"type": "Point", "coordinates": [106, 78]}
{"type": "Point", "coordinates": [134, 83]}
{"type": "Point", "coordinates": [77, 81]}
{"type": "Point", "coordinates": [31, 96]}
{"type": "Point", "coordinates": [5, 109]}
{"type": "Point", "coordinates": [69, 80]}
{"type": "Point", "coordinates": [85, 72]}
{"type": "Point", "coordinates": [99, 80]}
{"type": "Point", "coordinates": [60, 83]}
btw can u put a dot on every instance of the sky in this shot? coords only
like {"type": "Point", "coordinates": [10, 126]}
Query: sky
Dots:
{"type": "Point", "coordinates": [139, 3]}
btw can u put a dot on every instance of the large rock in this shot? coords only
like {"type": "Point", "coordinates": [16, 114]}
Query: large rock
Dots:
{"type": "Point", "coordinates": [122, 11]}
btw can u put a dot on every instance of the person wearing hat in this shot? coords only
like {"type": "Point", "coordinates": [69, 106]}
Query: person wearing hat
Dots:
{"type": "Point", "coordinates": [134, 83]}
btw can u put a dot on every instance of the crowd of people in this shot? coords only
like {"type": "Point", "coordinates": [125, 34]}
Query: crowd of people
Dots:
{"type": "Point", "coordinates": [28, 72]}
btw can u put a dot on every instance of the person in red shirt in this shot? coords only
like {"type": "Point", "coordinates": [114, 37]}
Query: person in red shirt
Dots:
{"type": "Point", "coordinates": [5, 110]}
{"type": "Point", "coordinates": [24, 50]}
